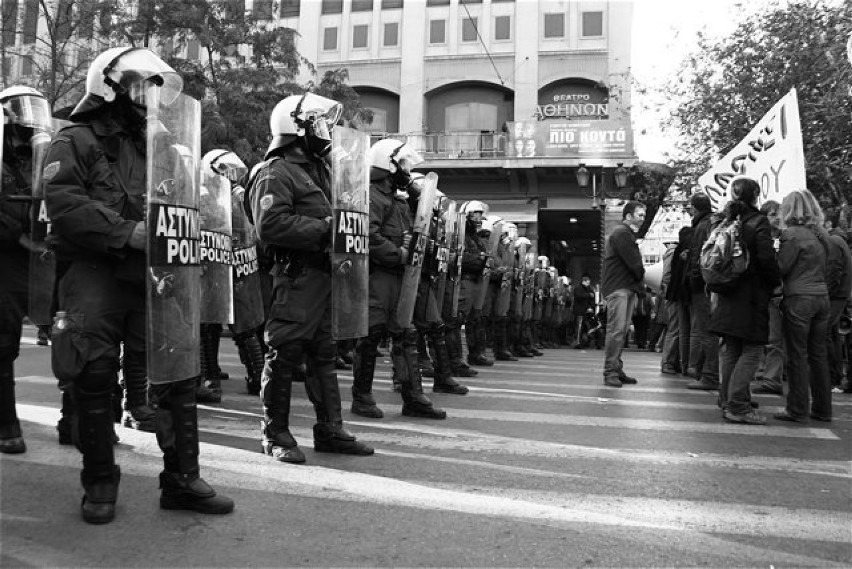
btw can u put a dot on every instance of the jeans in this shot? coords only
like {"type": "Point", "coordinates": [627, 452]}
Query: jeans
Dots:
{"type": "Point", "coordinates": [704, 346]}
{"type": "Point", "coordinates": [671, 346]}
{"type": "Point", "coordinates": [619, 310]}
{"type": "Point", "coordinates": [684, 318]}
{"type": "Point", "coordinates": [835, 341]}
{"type": "Point", "coordinates": [738, 361]}
{"type": "Point", "coordinates": [771, 369]}
{"type": "Point", "coordinates": [805, 331]}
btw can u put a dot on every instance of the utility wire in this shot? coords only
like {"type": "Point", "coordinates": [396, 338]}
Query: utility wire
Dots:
{"type": "Point", "coordinates": [478, 35]}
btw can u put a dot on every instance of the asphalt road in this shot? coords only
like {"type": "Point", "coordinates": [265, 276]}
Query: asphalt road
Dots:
{"type": "Point", "coordinates": [539, 465]}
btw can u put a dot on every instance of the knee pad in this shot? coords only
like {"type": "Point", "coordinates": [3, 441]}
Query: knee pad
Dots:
{"type": "Point", "coordinates": [290, 354]}
{"type": "Point", "coordinates": [409, 337]}
{"type": "Point", "coordinates": [99, 376]}
{"type": "Point", "coordinates": [134, 366]}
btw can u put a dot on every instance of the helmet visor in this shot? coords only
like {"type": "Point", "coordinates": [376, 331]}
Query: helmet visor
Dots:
{"type": "Point", "coordinates": [29, 111]}
{"type": "Point", "coordinates": [230, 166]}
{"type": "Point", "coordinates": [138, 65]}
{"type": "Point", "coordinates": [405, 158]}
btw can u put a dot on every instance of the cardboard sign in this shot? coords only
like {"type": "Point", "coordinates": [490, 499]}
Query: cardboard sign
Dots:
{"type": "Point", "coordinates": [772, 154]}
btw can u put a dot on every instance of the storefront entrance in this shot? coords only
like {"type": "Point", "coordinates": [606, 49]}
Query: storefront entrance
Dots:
{"type": "Point", "coordinates": [572, 241]}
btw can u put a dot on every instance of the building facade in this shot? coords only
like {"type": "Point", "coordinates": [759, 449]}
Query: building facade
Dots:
{"type": "Point", "coordinates": [505, 99]}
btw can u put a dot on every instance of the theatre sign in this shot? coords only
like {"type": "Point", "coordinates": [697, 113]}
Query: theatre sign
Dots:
{"type": "Point", "coordinates": [570, 139]}
{"type": "Point", "coordinates": [572, 100]}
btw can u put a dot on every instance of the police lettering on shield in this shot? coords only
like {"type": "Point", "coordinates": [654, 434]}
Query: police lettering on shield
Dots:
{"type": "Point", "coordinates": [176, 236]}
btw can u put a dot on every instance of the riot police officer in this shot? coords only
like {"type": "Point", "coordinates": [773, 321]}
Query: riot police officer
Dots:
{"type": "Point", "coordinates": [289, 195]}
{"type": "Point", "coordinates": [390, 242]}
{"type": "Point", "coordinates": [26, 115]}
{"type": "Point", "coordinates": [474, 260]}
{"type": "Point", "coordinates": [95, 180]}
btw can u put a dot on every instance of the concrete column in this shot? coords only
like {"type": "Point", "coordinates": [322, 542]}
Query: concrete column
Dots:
{"type": "Point", "coordinates": [413, 44]}
{"type": "Point", "coordinates": [310, 36]}
{"type": "Point", "coordinates": [526, 61]}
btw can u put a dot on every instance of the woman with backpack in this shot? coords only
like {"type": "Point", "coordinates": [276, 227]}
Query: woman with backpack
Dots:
{"type": "Point", "coordinates": [802, 259]}
{"type": "Point", "coordinates": [740, 315]}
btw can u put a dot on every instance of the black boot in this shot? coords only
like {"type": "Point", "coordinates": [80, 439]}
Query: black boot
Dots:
{"type": "Point", "coordinates": [324, 392]}
{"type": "Point", "coordinates": [501, 352]}
{"type": "Point", "coordinates": [458, 365]}
{"type": "Point", "coordinates": [215, 341]}
{"type": "Point", "coordinates": [364, 368]}
{"type": "Point", "coordinates": [526, 333]}
{"type": "Point", "coordinates": [275, 392]}
{"type": "Point", "coordinates": [136, 412]}
{"type": "Point", "coordinates": [414, 403]}
{"type": "Point", "coordinates": [444, 382]}
{"type": "Point", "coordinates": [427, 368]}
{"type": "Point", "coordinates": [251, 355]}
{"type": "Point", "coordinates": [66, 425]}
{"type": "Point", "coordinates": [11, 439]}
{"type": "Point", "coordinates": [207, 386]}
{"type": "Point", "coordinates": [181, 485]}
{"type": "Point", "coordinates": [100, 475]}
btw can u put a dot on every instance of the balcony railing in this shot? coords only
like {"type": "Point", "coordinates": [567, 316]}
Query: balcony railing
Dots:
{"type": "Point", "coordinates": [456, 145]}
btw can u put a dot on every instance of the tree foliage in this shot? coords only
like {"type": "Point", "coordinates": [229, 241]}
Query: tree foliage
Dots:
{"type": "Point", "coordinates": [728, 84]}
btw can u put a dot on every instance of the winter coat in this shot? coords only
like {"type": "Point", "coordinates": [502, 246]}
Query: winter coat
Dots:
{"type": "Point", "coordinates": [584, 299]}
{"type": "Point", "coordinates": [702, 224]}
{"type": "Point", "coordinates": [802, 259]}
{"type": "Point", "coordinates": [741, 309]}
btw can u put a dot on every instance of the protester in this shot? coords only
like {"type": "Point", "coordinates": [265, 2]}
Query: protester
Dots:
{"type": "Point", "coordinates": [741, 308]}
{"type": "Point", "coordinates": [839, 280]}
{"type": "Point", "coordinates": [770, 372]}
{"type": "Point", "coordinates": [802, 259]}
{"type": "Point", "coordinates": [703, 346]}
{"type": "Point", "coordinates": [622, 280]}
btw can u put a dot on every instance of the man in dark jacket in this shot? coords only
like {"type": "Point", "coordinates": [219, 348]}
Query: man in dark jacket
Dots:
{"type": "Point", "coordinates": [473, 263]}
{"type": "Point", "coordinates": [622, 280]}
{"type": "Point", "coordinates": [770, 373]}
{"type": "Point", "coordinates": [95, 182]}
{"type": "Point", "coordinates": [584, 303]}
{"type": "Point", "coordinates": [703, 346]}
{"type": "Point", "coordinates": [289, 195]}
{"type": "Point", "coordinates": [741, 313]}
{"type": "Point", "coordinates": [838, 276]}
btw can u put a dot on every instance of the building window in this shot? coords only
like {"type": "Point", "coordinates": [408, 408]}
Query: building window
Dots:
{"type": "Point", "coordinates": [592, 24]}
{"type": "Point", "coordinates": [290, 8]}
{"type": "Point", "coordinates": [329, 39]}
{"type": "Point", "coordinates": [380, 120]}
{"type": "Point", "coordinates": [10, 22]}
{"type": "Point", "coordinates": [554, 25]}
{"type": "Point", "coordinates": [469, 29]}
{"type": "Point", "coordinates": [437, 31]}
{"type": "Point", "coordinates": [359, 36]}
{"type": "Point", "coordinates": [503, 28]}
{"type": "Point", "coordinates": [471, 116]}
{"type": "Point", "coordinates": [437, 2]}
{"type": "Point", "coordinates": [391, 34]}
{"type": "Point", "coordinates": [362, 5]}
{"type": "Point", "coordinates": [192, 49]}
{"type": "Point", "coordinates": [30, 21]}
{"type": "Point", "coordinates": [332, 7]}
{"type": "Point", "coordinates": [391, 4]}
{"type": "Point", "coordinates": [262, 9]}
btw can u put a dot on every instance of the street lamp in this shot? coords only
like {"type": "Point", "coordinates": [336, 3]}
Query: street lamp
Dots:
{"type": "Point", "coordinates": [583, 176]}
{"type": "Point", "coordinates": [621, 174]}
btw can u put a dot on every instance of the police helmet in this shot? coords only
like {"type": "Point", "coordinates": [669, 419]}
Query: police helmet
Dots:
{"type": "Point", "coordinates": [521, 241]}
{"type": "Point", "coordinates": [308, 115]}
{"type": "Point", "coordinates": [543, 261]}
{"type": "Point", "coordinates": [225, 163]}
{"type": "Point", "coordinates": [473, 206]}
{"type": "Point", "coordinates": [25, 107]}
{"type": "Point", "coordinates": [489, 222]}
{"type": "Point", "coordinates": [129, 71]}
{"type": "Point", "coordinates": [395, 157]}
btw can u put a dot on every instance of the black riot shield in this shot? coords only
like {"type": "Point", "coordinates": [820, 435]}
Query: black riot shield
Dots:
{"type": "Point", "coordinates": [417, 250]}
{"type": "Point", "coordinates": [493, 244]}
{"type": "Point", "coordinates": [42, 277]}
{"type": "Point", "coordinates": [216, 249]}
{"type": "Point", "coordinates": [506, 257]}
{"type": "Point", "coordinates": [350, 262]}
{"type": "Point", "coordinates": [444, 234]}
{"type": "Point", "coordinates": [529, 285]}
{"type": "Point", "coordinates": [174, 237]}
{"type": "Point", "coordinates": [248, 300]}
{"type": "Point", "coordinates": [455, 273]}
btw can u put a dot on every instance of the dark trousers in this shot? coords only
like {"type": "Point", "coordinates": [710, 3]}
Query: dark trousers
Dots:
{"type": "Point", "coordinates": [13, 306]}
{"type": "Point", "coordinates": [738, 360]}
{"type": "Point", "coordinates": [805, 332]}
{"type": "Point", "coordinates": [835, 341]}
{"type": "Point", "coordinates": [703, 346]}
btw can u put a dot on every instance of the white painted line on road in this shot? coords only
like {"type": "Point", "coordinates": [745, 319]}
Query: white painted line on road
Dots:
{"type": "Point", "coordinates": [252, 471]}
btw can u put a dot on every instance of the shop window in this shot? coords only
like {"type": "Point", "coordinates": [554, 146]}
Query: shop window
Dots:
{"type": "Point", "coordinates": [554, 25]}
{"type": "Point", "coordinates": [502, 28]}
{"type": "Point", "coordinates": [592, 24]}
{"type": "Point", "coordinates": [469, 29]}
{"type": "Point", "coordinates": [437, 31]}
{"type": "Point", "coordinates": [329, 39]}
{"type": "Point", "coordinates": [290, 8]}
{"type": "Point", "coordinates": [359, 36]}
{"type": "Point", "coordinates": [391, 34]}
{"type": "Point", "coordinates": [332, 7]}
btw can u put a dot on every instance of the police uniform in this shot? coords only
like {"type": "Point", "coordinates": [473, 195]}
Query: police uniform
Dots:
{"type": "Point", "coordinates": [289, 200]}
{"type": "Point", "coordinates": [14, 258]}
{"type": "Point", "coordinates": [493, 312]}
{"type": "Point", "coordinates": [95, 180]}
{"type": "Point", "coordinates": [390, 220]}
{"type": "Point", "coordinates": [473, 263]}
